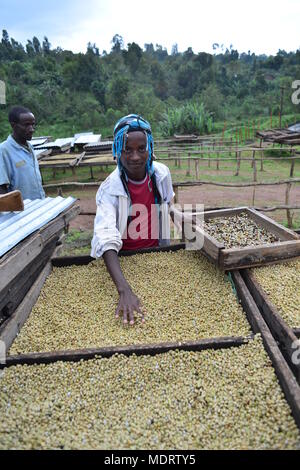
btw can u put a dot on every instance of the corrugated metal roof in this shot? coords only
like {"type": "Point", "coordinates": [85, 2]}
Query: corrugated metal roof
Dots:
{"type": "Point", "coordinates": [88, 139]}
{"type": "Point", "coordinates": [58, 143]}
{"type": "Point", "coordinates": [82, 133]}
{"type": "Point", "coordinates": [41, 153]}
{"type": "Point", "coordinates": [15, 226]}
{"type": "Point", "coordinates": [38, 141]}
{"type": "Point", "coordinates": [104, 143]}
{"type": "Point", "coordinates": [295, 127]}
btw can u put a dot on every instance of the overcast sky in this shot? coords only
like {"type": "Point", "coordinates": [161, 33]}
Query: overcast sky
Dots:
{"type": "Point", "coordinates": [262, 26]}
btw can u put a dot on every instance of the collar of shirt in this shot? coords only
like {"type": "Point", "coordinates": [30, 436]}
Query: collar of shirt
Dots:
{"type": "Point", "coordinates": [116, 187]}
{"type": "Point", "coordinates": [27, 148]}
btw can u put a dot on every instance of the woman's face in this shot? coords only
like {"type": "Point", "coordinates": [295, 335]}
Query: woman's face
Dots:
{"type": "Point", "coordinates": [134, 156]}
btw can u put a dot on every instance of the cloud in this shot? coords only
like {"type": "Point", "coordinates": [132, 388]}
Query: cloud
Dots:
{"type": "Point", "coordinates": [71, 24]}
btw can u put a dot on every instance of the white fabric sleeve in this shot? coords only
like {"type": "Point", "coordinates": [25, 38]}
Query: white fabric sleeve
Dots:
{"type": "Point", "coordinates": [106, 234]}
{"type": "Point", "coordinates": [170, 192]}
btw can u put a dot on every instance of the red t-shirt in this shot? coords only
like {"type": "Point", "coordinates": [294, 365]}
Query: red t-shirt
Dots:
{"type": "Point", "coordinates": [142, 227]}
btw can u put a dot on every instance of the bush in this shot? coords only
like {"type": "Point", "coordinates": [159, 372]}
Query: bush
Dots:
{"type": "Point", "coordinates": [190, 118]}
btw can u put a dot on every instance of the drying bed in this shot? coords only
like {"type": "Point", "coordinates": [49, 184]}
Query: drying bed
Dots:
{"type": "Point", "coordinates": [271, 242]}
{"type": "Point", "coordinates": [214, 399]}
{"type": "Point", "coordinates": [185, 298]}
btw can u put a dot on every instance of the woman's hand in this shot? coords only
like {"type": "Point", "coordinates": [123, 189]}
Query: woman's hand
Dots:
{"type": "Point", "coordinates": [129, 303]}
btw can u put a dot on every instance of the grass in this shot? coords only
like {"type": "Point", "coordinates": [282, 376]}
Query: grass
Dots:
{"type": "Point", "coordinates": [272, 172]}
{"type": "Point", "coordinates": [77, 242]}
{"type": "Point", "coordinates": [83, 175]}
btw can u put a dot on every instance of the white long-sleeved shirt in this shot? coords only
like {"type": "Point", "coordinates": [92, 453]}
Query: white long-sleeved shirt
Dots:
{"type": "Point", "coordinates": [113, 206]}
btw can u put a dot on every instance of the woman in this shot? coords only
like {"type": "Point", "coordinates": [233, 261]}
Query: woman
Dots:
{"type": "Point", "coordinates": [132, 206]}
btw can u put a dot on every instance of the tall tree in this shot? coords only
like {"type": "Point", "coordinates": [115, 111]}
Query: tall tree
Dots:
{"type": "Point", "coordinates": [118, 43]}
{"type": "Point", "coordinates": [46, 46]}
{"type": "Point", "coordinates": [36, 45]}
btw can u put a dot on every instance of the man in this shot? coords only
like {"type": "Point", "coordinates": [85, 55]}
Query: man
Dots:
{"type": "Point", "coordinates": [19, 167]}
{"type": "Point", "coordinates": [132, 206]}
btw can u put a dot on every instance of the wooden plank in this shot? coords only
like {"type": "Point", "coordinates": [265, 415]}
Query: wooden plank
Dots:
{"type": "Point", "coordinates": [84, 259]}
{"type": "Point", "coordinates": [285, 376]}
{"type": "Point", "coordinates": [19, 258]}
{"type": "Point", "coordinates": [11, 201]}
{"type": "Point", "coordinates": [224, 213]}
{"type": "Point", "coordinates": [17, 320]}
{"type": "Point", "coordinates": [25, 252]}
{"type": "Point", "coordinates": [280, 330]}
{"type": "Point", "coordinates": [128, 350]}
{"type": "Point", "coordinates": [15, 291]}
{"type": "Point", "coordinates": [57, 225]}
{"type": "Point", "coordinates": [235, 258]}
{"type": "Point", "coordinates": [211, 246]}
{"type": "Point", "coordinates": [272, 226]}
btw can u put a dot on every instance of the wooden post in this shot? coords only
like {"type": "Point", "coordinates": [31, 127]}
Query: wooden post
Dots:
{"type": "Point", "coordinates": [292, 164]}
{"type": "Point", "coordinates": [292, 168]}
{"type": "Point", "coordinates": [179, 163]}
{"type": "Point", "coordinates": [238, 165]}
{"type": "Point", "coordinates": [54, 173]}
{"type": "Point", "coordinates": [218, 154]}
{"type": "Point", "coordinates": [261, 162]}
{"type": "Point", "coordinates": [73, 171]}
{"type": "Point", "coordinates": [230, 146]}
{"type": "Point", "coordinates": [188, 171]}
{"type": "Point", "coordinates": [254, 170]}
{"type": "Point", "coordinates": [271, 119]}
{"type": "Point", "coordinates": [91, 170]}
{"type": "Point", "coordinates": [287, 203]}
{"type": "Point", "coordinates": [253, 196]}
{"type": "Point", "coordinates": [197, 168]}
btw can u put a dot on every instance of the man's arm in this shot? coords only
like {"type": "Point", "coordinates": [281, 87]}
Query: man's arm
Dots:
{"type": "Point", "coordinates": [3, 188]}
{"type": "Point", "coordinates": [128, 301]}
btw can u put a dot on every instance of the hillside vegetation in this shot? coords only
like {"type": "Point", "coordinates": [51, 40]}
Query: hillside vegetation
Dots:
{"type": "Point", "coordinates": [70, 92]}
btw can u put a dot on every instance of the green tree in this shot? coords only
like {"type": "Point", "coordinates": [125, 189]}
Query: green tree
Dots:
{"type": "Point", "coordinates": [116, 93]}
{"type": "Point", "coordinates": [46, 46]}
{"type": "Point", "coordinates": [132, 56]}
{"type": "Point", "coordinates": [118, 43]}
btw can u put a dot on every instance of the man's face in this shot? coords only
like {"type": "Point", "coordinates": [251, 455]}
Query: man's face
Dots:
{"type": "Point", "coordinates": [135, 155]}
{"type": "Point", "coordinates": [25, 128]}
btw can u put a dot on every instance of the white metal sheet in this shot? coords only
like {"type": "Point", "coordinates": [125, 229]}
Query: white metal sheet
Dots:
{"type": "Point", "coordinates": [16, 226]}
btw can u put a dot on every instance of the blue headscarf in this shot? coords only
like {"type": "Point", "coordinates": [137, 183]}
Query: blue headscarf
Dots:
{"type": "Point", "coordinates": [130, 123]}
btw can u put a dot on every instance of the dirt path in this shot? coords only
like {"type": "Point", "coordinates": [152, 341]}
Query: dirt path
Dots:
{"type": "Point", "coordinates": [210, 196]}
